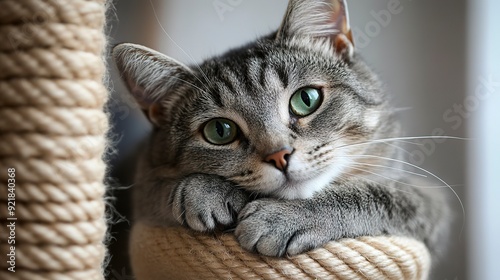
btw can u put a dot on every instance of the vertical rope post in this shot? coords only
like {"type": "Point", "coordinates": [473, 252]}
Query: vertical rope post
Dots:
{"type": "Point", "coordinates": [52, 139]}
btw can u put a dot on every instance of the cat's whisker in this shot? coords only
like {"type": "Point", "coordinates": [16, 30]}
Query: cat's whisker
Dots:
{"type": "Point", "coordinates": [397, 147]}
{"type": "Point", "coordinates": [402, 139]}
{"type": "Point", "coordinates": [378, 183]}
{"type": "Point", "coordinates": [401, 109]}
{"type": "Point", "coordinates": [173, 41]}
{"type": "Point", "coordinates": [345, 177]}
{"type": "Point", "coordinates": [382, 176]}
{"type": "Point", "coordinates": [190, 84]}
{"type": "Point", "coordinates": [392, 168]}
{"type": "Point", "coordinates": [421, 169]}
{"type": "Point", "coordinates": [385, 177]}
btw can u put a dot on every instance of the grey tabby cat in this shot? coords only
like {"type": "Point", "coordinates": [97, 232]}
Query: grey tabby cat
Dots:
{"type": "Point", "coordinates": [275, 140]}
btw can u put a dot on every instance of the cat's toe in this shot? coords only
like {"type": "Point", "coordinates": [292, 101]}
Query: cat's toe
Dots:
{"type": "Point", "coordinates": [247, 237]}
{"type": "Point", "coordinates": [261, 238]}
{"type": "Point", "coordinates": [272, 245]}
{"type": "Point", "coordinates": [178, 205]}
{"type": "Point", "coordinates": [208, 217]}
{"type": "Point", "coordinates": [199, 221]}
{"type": "Point", "coordinates": [260, 229]}
{"type": "Point", "coordinates": [300, 242]}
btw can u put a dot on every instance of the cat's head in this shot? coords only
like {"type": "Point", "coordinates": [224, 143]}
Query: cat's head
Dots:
{"type": "Point", "coordinates": [275, 116]}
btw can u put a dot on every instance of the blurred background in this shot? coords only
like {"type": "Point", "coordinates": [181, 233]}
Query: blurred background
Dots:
{"type": "Point", "coordinates": [439, 61]}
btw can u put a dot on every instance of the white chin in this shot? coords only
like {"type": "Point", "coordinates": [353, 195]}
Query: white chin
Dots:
{"type": "Point", "coordinates": [301, 189]}
{"type": "Point", "coordinates": [304, 189]}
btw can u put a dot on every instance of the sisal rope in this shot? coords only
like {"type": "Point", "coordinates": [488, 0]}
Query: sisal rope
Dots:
{"type": "Point", "coordinates": [178, 253]}
{"type": "Point", "coordinates": [52, 130]}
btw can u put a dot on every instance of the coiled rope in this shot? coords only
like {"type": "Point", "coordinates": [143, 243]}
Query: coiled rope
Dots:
{"type": "Point", "coordinates": [178, 253]}
{"type": "Point", "coordinates": [52, 130]}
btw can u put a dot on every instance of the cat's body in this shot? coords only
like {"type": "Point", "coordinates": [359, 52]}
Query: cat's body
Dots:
{"type": "Point", "coordinates": [274, 139]}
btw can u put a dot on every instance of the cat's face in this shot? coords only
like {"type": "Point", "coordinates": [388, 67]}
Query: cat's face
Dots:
{"type": "Point", "coordinates": [274, 117]}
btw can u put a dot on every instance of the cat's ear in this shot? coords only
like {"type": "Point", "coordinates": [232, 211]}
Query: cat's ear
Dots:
{"type": "Point", "coordinates": [150, 77]}
{"type": "Point", "coordinates": [319, 19]}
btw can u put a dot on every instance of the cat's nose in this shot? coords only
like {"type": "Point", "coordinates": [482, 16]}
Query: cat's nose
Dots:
{"type": "Point", "coordinates": [280, 159]}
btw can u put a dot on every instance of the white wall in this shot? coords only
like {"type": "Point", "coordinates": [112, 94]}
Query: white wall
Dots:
{"type": "Point", "coordinates": [201, 29]}
{"type": "Point", "coordinates": [484, 128]}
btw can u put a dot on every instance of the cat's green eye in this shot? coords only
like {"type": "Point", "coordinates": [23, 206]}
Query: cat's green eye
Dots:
{"type": "Point", "coordinates": [220, 131]}
{"type": "Point", "coordinates": [305, 101]}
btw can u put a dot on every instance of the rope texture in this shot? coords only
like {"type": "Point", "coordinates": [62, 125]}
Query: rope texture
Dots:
{"type": "Point", "coordinates": [178, 253]}
{"type": "Point", "coordinates": [52, 127]}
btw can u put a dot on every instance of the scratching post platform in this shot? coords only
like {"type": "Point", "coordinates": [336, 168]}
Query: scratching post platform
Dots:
{"type": "Point", "coordinates": [178, 253]}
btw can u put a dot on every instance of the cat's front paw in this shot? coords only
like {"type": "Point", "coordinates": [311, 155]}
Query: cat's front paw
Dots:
{"type": "Point", "coordinates": [205, 202]}
{"type": "Point", "coordinates": [275, 228]}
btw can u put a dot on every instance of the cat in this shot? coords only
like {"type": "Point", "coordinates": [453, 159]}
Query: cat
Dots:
{"type": "Point", "coordinates": [280, 140]}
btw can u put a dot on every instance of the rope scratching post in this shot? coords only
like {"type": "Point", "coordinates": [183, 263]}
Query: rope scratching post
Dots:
{"type": "Point", "coordinates": [178, 253]}
{"type": "Point", "coordinates": [52, 128]}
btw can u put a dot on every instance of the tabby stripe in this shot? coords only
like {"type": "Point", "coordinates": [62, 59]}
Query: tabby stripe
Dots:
{"type": "Point", "coordinates": [216, 98]}
{"type": "Point", "coordinates": [262, 75]}
{"type": "Point", "coordinates": [253, 72]}
{"type": "Point", "coordinates": [227, 83]}
{"type": "Point", "coordinates": [282, 75]}
{"type": "Point", "coordinates": [244, 76]}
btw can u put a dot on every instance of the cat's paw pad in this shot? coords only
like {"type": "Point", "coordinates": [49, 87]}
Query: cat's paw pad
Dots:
{"type": "Point", "coordinates": [274, 228]}
{"type": "Point", "coordinates": [205, 205]}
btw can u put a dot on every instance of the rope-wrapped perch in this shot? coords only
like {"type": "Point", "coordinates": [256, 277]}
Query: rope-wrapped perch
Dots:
{"type": "Point", "coordinates": [52, 127]}
{"type": "Point", "coordinates": [178, 253]}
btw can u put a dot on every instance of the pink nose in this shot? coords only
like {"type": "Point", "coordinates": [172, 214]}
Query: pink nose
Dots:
{"type": "Point", "coordinates": [280, 159]}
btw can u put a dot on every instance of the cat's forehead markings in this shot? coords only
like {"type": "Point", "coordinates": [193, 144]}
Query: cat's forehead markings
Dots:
{"type": "Point", "coordinates": [215, 98]}
{"type": "Point", "coordinates": [274, 79]}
